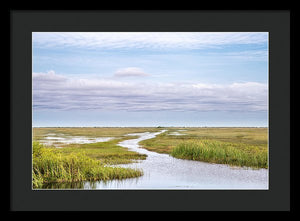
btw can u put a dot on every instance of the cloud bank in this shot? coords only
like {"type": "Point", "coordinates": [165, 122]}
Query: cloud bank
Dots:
{"type": "Point", "coordinates": [52, 91]}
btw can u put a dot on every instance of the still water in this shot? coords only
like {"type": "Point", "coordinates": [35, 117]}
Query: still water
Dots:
{"type": "Point", "coordinates": [162, 171]}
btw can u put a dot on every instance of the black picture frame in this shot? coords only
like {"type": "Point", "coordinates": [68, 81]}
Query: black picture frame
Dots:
{"type": "Point", "coordinates": [24, 22]}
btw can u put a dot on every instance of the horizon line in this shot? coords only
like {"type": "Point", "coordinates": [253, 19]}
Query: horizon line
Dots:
{"type": "Point", "coordinates": [151, 126]}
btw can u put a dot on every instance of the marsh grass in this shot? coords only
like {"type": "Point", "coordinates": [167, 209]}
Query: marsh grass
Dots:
{"type": "Point", "coordinates": [41, 132]}
{"type": "Point", "coordinates": [80, 162]}
{"type": "Point", "coordinates": [106, 152]}
{"type": "Point", "coordinates": [163, 143]}
{"type": "Point", "coordinates": [92, 161]}
{"type": "Point", "coordinates": [246, 135]}
{"type": "Point", "coordinates": [222, 152]}
{"type": "Point", "coordinates": [233, 146]}
{"type": "Point", "coordinates": [49, 165]}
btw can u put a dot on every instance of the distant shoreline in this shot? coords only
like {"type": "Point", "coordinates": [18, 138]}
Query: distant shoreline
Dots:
{"type": "Point", "coordinates": [148, 127]}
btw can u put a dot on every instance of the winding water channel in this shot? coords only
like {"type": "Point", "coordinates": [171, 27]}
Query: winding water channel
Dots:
{"type": "Point", "coordinates": [162, 171]}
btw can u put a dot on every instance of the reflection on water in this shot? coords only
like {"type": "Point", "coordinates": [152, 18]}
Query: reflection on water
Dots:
{"type": "Point", "coordinates": [115, 184]}
{"type": "Point", "coordinates": [75, 185]}
{"type": "Point", "coordinates": [161, 171]}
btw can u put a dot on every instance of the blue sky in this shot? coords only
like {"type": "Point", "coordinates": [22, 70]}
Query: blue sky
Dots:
{"type": "Point", "coordinates": [150, 79]}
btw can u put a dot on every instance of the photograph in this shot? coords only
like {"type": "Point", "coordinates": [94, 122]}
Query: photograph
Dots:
{"type": "Point", "coordinates": [150, 110]}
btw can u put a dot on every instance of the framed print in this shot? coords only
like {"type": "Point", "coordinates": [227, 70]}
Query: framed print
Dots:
{"type": "Point", "coordinates": [150, 106]}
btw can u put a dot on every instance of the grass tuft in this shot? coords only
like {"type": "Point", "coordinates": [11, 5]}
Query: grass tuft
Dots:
{"type": "Point", "coordinates": [222, 152]}
{"type": "Point", "coordinates": [49, 165]}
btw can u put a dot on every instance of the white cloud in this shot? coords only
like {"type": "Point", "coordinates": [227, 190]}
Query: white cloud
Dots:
{"type": "Point", "coordinates": [53, 91]}
{"type": "Point", "coordinates": [155, 40]}
{"type": "Point", "coordinates": [130, 72]}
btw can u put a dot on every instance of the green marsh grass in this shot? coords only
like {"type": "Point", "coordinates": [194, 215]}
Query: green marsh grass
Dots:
{"type": "Point", "coordinates": [49, 165]}
{"type": "Point", "coordinates": [222, 153]}
{"type": "Point", "coordinates": [79, 162]}
{"type": "Point", "coordinates": [106, 152]}
{"type": "Point", "coordinates": [235, 146]}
